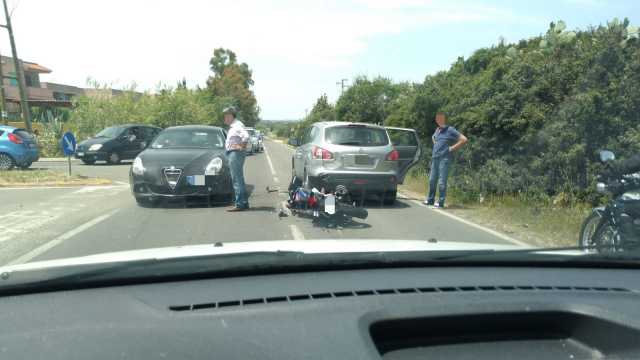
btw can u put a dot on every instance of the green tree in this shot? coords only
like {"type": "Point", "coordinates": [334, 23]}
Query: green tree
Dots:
{"type": "Point", "coordinates": [367, 100]}
{"type": "Point", "coordinates": [233, 82]}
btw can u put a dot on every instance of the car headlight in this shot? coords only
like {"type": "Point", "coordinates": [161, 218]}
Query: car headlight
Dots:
{"type": "Point", "coordinates": [137, 167]}
{"type": "Point", "coordinates": [95, 147]}
{"type": "Point", "coordinates": [214, 167]}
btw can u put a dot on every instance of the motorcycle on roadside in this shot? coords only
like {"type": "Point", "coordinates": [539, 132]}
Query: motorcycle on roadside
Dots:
{"type": "Point", "coordinates": [615, 226]}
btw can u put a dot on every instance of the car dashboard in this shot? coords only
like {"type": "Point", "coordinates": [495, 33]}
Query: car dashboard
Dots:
{"type": "Point", "coordinates": [402, 313]}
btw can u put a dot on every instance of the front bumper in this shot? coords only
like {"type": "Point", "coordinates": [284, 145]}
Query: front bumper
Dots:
{"type": "Point", "coordinates": [357, 181]}
{"type": "Point", "coordinates": [92, 155]}
{"type": "Point", "coordinates": [143, 186]}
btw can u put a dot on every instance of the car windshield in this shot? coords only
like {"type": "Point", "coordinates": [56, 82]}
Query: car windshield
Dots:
{"type": "Point", "coordinates": [319, 126]}
{"type": "Point", "coordinates": [189, 138]}
{"type": "Point", "coordinates": [110, 132]}
{"type": "Point", "coordinates": [356, 135]}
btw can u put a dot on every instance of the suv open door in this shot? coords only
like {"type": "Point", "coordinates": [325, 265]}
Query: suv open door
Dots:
{"type": "Point", "coordinates": [407, 143]}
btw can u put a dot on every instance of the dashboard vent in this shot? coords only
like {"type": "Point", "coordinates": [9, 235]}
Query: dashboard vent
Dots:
{"type": "Point", "coordinates": [377, 292]}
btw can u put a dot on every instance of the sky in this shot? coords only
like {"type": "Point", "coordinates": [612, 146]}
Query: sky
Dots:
{"type": "Point", "coordinates": [298, 50]}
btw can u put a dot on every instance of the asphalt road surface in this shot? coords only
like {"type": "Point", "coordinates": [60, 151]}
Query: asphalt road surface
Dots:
{"type": "Point", "coordinates": [51, 223]}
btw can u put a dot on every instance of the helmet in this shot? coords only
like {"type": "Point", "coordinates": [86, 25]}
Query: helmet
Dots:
{"type": "Point", "coordinates": [230, 110]}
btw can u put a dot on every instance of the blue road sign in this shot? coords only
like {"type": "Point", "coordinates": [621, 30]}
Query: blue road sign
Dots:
{"type": "Point", "coordinates": [68, 144]}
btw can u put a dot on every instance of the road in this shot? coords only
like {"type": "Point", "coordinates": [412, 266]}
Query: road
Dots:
{"type": "Point", "coordinates": [51, 223]}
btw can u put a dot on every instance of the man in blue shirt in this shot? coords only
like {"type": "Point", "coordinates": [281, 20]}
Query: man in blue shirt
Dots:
{"type": "Point", "coordinates": [446, 140]}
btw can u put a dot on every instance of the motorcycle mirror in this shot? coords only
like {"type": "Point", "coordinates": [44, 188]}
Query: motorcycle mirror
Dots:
{"type": "Point", "coordinates": [606, 155]}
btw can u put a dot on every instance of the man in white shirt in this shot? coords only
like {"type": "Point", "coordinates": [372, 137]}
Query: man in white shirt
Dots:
{"type": "Point", "coordinates": [237, 138]}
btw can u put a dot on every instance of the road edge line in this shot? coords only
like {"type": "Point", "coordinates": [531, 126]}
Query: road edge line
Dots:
{"type": "Point", "coordinates": [469, 223]}
{"type": "Point", "coordinates": [273, 170]}
{"type": "Point", "coordinates": [60, 239]}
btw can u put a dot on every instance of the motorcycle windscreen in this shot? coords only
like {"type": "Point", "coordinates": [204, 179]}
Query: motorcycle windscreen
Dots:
{"type": "Point", "coordinates": [408, 145]}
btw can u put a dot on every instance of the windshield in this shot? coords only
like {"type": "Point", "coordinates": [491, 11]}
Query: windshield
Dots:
{"type": "Point", "coordinates": [320, 126]}
{"type": "Point", "coordinates": [110, 132]}
{"type": "Point", "coordinates": [189, 138]}
{"type": "Point", "coordinates": [356, 135]}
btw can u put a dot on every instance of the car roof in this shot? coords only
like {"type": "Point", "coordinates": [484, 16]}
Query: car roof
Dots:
{"type": "Point", "coordinates": [194, 127]}
{"type": "Point", "coordinates": [343, 123]}
{"type": "Point", "coordinates": [8, 128]}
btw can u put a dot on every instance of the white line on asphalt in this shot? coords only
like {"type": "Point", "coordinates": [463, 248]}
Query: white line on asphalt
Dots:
{"type": "Point", "coordinates": [467, 222]}
{"type": "Point", "coordinates": [57, 241]}
{"type": "Point", "coordinates": [273, 170]}
{"type": "Point", "coordinates": [296, 233]}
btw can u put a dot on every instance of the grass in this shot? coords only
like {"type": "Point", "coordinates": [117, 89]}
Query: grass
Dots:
{"type": "Point", "coordinates": [534, 222]}
{"type": "Point", "coordinates": [40, 177]}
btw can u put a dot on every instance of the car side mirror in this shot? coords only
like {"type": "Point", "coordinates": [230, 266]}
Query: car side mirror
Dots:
{"type": "Point", "coordinates": [294, 142]}
{"type": "Point", "coordinates": [606, 155]}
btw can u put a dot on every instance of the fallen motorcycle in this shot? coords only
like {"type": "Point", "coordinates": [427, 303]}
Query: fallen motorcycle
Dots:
{"type": "Point", "coordinates": [335, 208]}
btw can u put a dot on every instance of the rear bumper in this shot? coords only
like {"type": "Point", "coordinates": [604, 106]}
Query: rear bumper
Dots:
{"type": "Point", "coordinates": [357, 181]}
{"type": "Point", "coordinates": [26, 157]}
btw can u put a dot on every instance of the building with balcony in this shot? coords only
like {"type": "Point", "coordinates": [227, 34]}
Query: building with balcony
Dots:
{"type": "Point", "coordinates": [41, 94]}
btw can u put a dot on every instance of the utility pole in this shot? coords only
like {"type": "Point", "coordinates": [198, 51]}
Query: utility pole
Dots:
{"type": "Point", "coordinates": [3, 112]}
{"type": "Point", "coordinates": [342, 86]}
{"type": "Point", "coordinates": [24, 101]}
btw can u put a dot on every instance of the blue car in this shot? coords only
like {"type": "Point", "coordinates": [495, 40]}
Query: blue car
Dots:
{"type": "Point", "coordinates": [17, 148]}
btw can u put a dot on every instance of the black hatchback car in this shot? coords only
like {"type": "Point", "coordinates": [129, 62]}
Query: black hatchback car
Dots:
{"type": "Point", "coordinates": [116, 143]}
{"type": "Point", "coordinates": [183, 162]}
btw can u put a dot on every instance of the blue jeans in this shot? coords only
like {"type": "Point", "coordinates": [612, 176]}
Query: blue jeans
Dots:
{"type": "Point", "coordinates": [236, 166]}
{"type": "Point", "coordinates": [438, 176]}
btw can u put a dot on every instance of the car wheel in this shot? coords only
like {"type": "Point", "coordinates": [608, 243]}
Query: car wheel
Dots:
{"type": "Point", "coordinates": [113, 158]}
{"type": "Point", "coordinates": [390, 197]}
{"type": "Point", "coordinates": [6, 162]}
{"type": "Point", "coordinates": [88, 162]}
{"type": "Point", "coordinates": [25, 166]}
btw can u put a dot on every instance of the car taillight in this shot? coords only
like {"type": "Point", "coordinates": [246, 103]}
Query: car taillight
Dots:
{"type": "Point", "coordinates": [320, 153]}
{"type": "Point", "coordinates": [15, 139]}
{"type": "Point", "coordinates": [393, 156]}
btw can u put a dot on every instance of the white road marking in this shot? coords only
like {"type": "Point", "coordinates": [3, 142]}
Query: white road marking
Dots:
{"type": "Point", "coordinates": [296, 233]}
{"type": "Point", "coordinates": [60, 239]}
{"type": "Point", "coordinates": [273, 170]}
{"type": "Point", "coordinates": [467, 222]}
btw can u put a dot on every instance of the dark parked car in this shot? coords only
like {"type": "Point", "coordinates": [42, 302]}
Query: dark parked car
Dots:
{"type": "Point", "coordinates": [183, 161]}
{"type": "Point", "coordinates": [17, 148]}
{"type": "Point", "coordinates": [116, 143]}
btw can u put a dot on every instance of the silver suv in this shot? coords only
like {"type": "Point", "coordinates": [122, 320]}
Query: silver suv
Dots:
{"type": "Point", "coordinates": [365, 158]}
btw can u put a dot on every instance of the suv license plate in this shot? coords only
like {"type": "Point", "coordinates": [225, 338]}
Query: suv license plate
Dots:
{"type": "Point", "coordinates": [363, 160]}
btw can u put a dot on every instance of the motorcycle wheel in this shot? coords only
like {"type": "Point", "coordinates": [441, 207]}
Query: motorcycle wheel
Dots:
{"type": "Point", "coordinates": [605, 237]}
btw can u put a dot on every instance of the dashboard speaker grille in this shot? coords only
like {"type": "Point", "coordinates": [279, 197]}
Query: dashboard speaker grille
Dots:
{"type": "Point", "coordinates": [380, 292]}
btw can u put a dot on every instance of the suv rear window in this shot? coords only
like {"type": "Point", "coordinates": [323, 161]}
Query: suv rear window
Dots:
{"type": "Point", "coordinates": [356, 136]}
